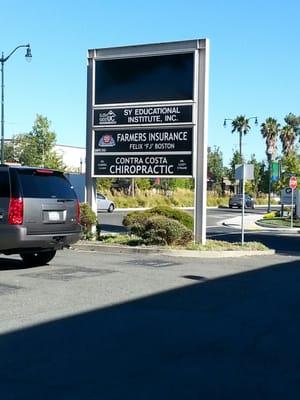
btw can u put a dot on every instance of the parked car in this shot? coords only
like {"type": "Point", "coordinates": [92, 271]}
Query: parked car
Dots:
{"type": "Point", "coordinates": [237, 201]}
{"type": "Point", "coordinates": [104, 204]}
{"type": "Point", "coordinates": [39, 213]}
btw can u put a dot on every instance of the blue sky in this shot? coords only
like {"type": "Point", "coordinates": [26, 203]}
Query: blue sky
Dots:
{"type": "Point", "coordinates": [254, 58]}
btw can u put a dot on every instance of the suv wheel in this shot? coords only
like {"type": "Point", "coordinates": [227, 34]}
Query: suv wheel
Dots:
{"type": "Point", "coordinates": [37, 258]}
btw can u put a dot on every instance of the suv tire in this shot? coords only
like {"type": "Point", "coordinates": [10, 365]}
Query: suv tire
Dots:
{"type": "Point", "coordinates": [37, 258]}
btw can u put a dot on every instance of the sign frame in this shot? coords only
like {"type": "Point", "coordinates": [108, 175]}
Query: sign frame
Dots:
{"type": "Point", "coordinates": [199, 103]}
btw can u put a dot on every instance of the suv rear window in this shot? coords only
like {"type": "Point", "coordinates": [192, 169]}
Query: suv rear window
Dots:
{"type": "Point", "coordinates": [43, 184]}
{"type": "Point", "coordinates": [4, 184]}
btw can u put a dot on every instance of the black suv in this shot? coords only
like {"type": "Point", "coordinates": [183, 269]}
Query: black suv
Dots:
{"type": "Point", "coordinates": [39, 213]}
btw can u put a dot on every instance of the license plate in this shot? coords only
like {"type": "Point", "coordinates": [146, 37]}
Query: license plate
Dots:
{"type": "Point", "coordinates": [54, 216]}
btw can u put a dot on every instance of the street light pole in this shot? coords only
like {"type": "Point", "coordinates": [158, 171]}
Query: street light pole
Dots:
{"type": "Point", "coordinates": [2, 61]}
{"type": "Point", "coordinates": [238, 124]}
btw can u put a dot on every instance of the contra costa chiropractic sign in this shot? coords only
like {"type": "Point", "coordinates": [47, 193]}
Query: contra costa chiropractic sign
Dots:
{"type": "Point", "coordinates": [144, 165]}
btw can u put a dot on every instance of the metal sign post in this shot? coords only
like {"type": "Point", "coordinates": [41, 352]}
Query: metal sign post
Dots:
{"type": "Point", "coordinates": [293, 186]}
{"type": "Point", "coordinates": [243, 172]}
{"type": "Point", "coordinates": [243, 206]}
{"type": "Point", "coordinates": [292, 208]}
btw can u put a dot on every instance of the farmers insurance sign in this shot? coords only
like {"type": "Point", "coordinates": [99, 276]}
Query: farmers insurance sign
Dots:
{"type": "Point", "coordinates": [143, 140]}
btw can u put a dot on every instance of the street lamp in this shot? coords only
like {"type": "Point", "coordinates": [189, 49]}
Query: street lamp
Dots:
{"type": "Point", "coordinates": [3, 59]}
{"type": "Point", "coordinates": [241, 125]}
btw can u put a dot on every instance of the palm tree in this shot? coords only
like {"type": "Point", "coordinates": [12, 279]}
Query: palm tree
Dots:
{"type": "Point", "coordinates": [292, 120]}
{"type": "Point", "coordinates": [241, 125]}
{"type": "Point", "coordinates": [288, 138]}
{"type": "Point", "coordinates": [269, 130]}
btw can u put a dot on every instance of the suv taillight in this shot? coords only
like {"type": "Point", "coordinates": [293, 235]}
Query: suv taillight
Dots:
{"type": "Point", "coordinates": [15, 212]}
{"type": "Point", "coordinates": [77, 212]}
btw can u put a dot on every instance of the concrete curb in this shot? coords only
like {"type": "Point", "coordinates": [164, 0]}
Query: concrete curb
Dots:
{"type": "Point", "coordinates": [281, 229]}
{"type": "Point", "coordinates": [117, 249]}
{"type": "Point", "coordinates": [255, 222]}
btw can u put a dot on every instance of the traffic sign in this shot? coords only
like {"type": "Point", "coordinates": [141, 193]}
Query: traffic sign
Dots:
{"type": "Point", "coordinates": [293, 182]}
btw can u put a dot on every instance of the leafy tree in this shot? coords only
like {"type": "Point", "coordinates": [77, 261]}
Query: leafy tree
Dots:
{"type": "Point", "coordinates": [143, 183]}
{"type": "Point", "coordinates": [9, 152]}
{"type": "Point", "coordinates": [36, 148]}
{"type": "Point", "coordinates": [255, 186]}
{"type": "Point", "coordinates": [215, 166]}
{"type": "Point", "coordinates": [236, 160]}
{"type": "Point", "coordinates": [263, 185]}
{"type": "Point", "coordinates": [184, 183]}
{"type": "Point", "coordinates": [270, 130]}
{"type": "Point", "coordinates": [168, 184]}
{"type": "Point", "coordinates": [293, 121]}
{"type": "Point", "coordinates": [241, 125]}
{"type": "Point", "coordinates": [289, 133]}
{"type": "Point", "coordinates": [104, 184]}
{"type": "Point", "coordinates": [290, 165]}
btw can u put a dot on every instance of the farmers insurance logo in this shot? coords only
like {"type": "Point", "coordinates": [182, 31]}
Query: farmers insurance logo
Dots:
{"type": "Point", "coordinates": [106, 141]}
{"type": "Point", "coordinates": [107, 118]}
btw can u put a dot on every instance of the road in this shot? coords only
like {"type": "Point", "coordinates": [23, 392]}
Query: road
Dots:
{"type": "Point", "coordinates": [122, 326]}
{"type": "Point", "coordinates": [282, 242]}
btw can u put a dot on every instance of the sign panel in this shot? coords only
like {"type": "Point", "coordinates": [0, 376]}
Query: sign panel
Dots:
{"type": "Point", "coordinates": [249, 171]}
{"type": "Point", "coordinates": [148, 78]}
{"type": "Point", "coordinates": [275, 168]}
{"type": "Point", "coordinates": [143, 165]}
{"type": "Point", "coordinates": [166, 114]}
{"type": "Point", "coordinates": [143, 140]}
{"type": "Point", "coordinates": [286, 196]}
{"type": "Point", "coordinates": [293, 182]}
{"type": "Point", "coordinates": [297, 203]}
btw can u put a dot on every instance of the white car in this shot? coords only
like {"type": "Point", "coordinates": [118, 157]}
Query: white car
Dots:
{"type": "Point", "coordinates": [104, 204]}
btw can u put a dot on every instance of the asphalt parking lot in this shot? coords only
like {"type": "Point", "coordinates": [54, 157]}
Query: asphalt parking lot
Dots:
{"type": "Point", "coordinates": [113, 326]}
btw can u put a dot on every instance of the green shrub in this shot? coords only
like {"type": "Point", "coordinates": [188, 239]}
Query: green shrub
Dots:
{"type": "Point", "coordinates": [270, 215]}
{"type": "Point", "coordinates": [135, 218]}
{"type": "Point", "coordinates": [138, 217]}
{"type": "Point", "coordinates": [87, 219]}
{"type": "Point", "coordinates": [181, 216]}
{"type": "Point", "coordinates": [160, 230]}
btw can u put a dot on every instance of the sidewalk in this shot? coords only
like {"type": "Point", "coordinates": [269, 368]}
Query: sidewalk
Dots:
{"type": "Point", "coordinates": [250, 223]}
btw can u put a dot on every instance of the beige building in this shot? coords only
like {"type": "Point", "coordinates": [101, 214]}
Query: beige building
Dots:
{"type": "Point", "coordinates": [73, 157]}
